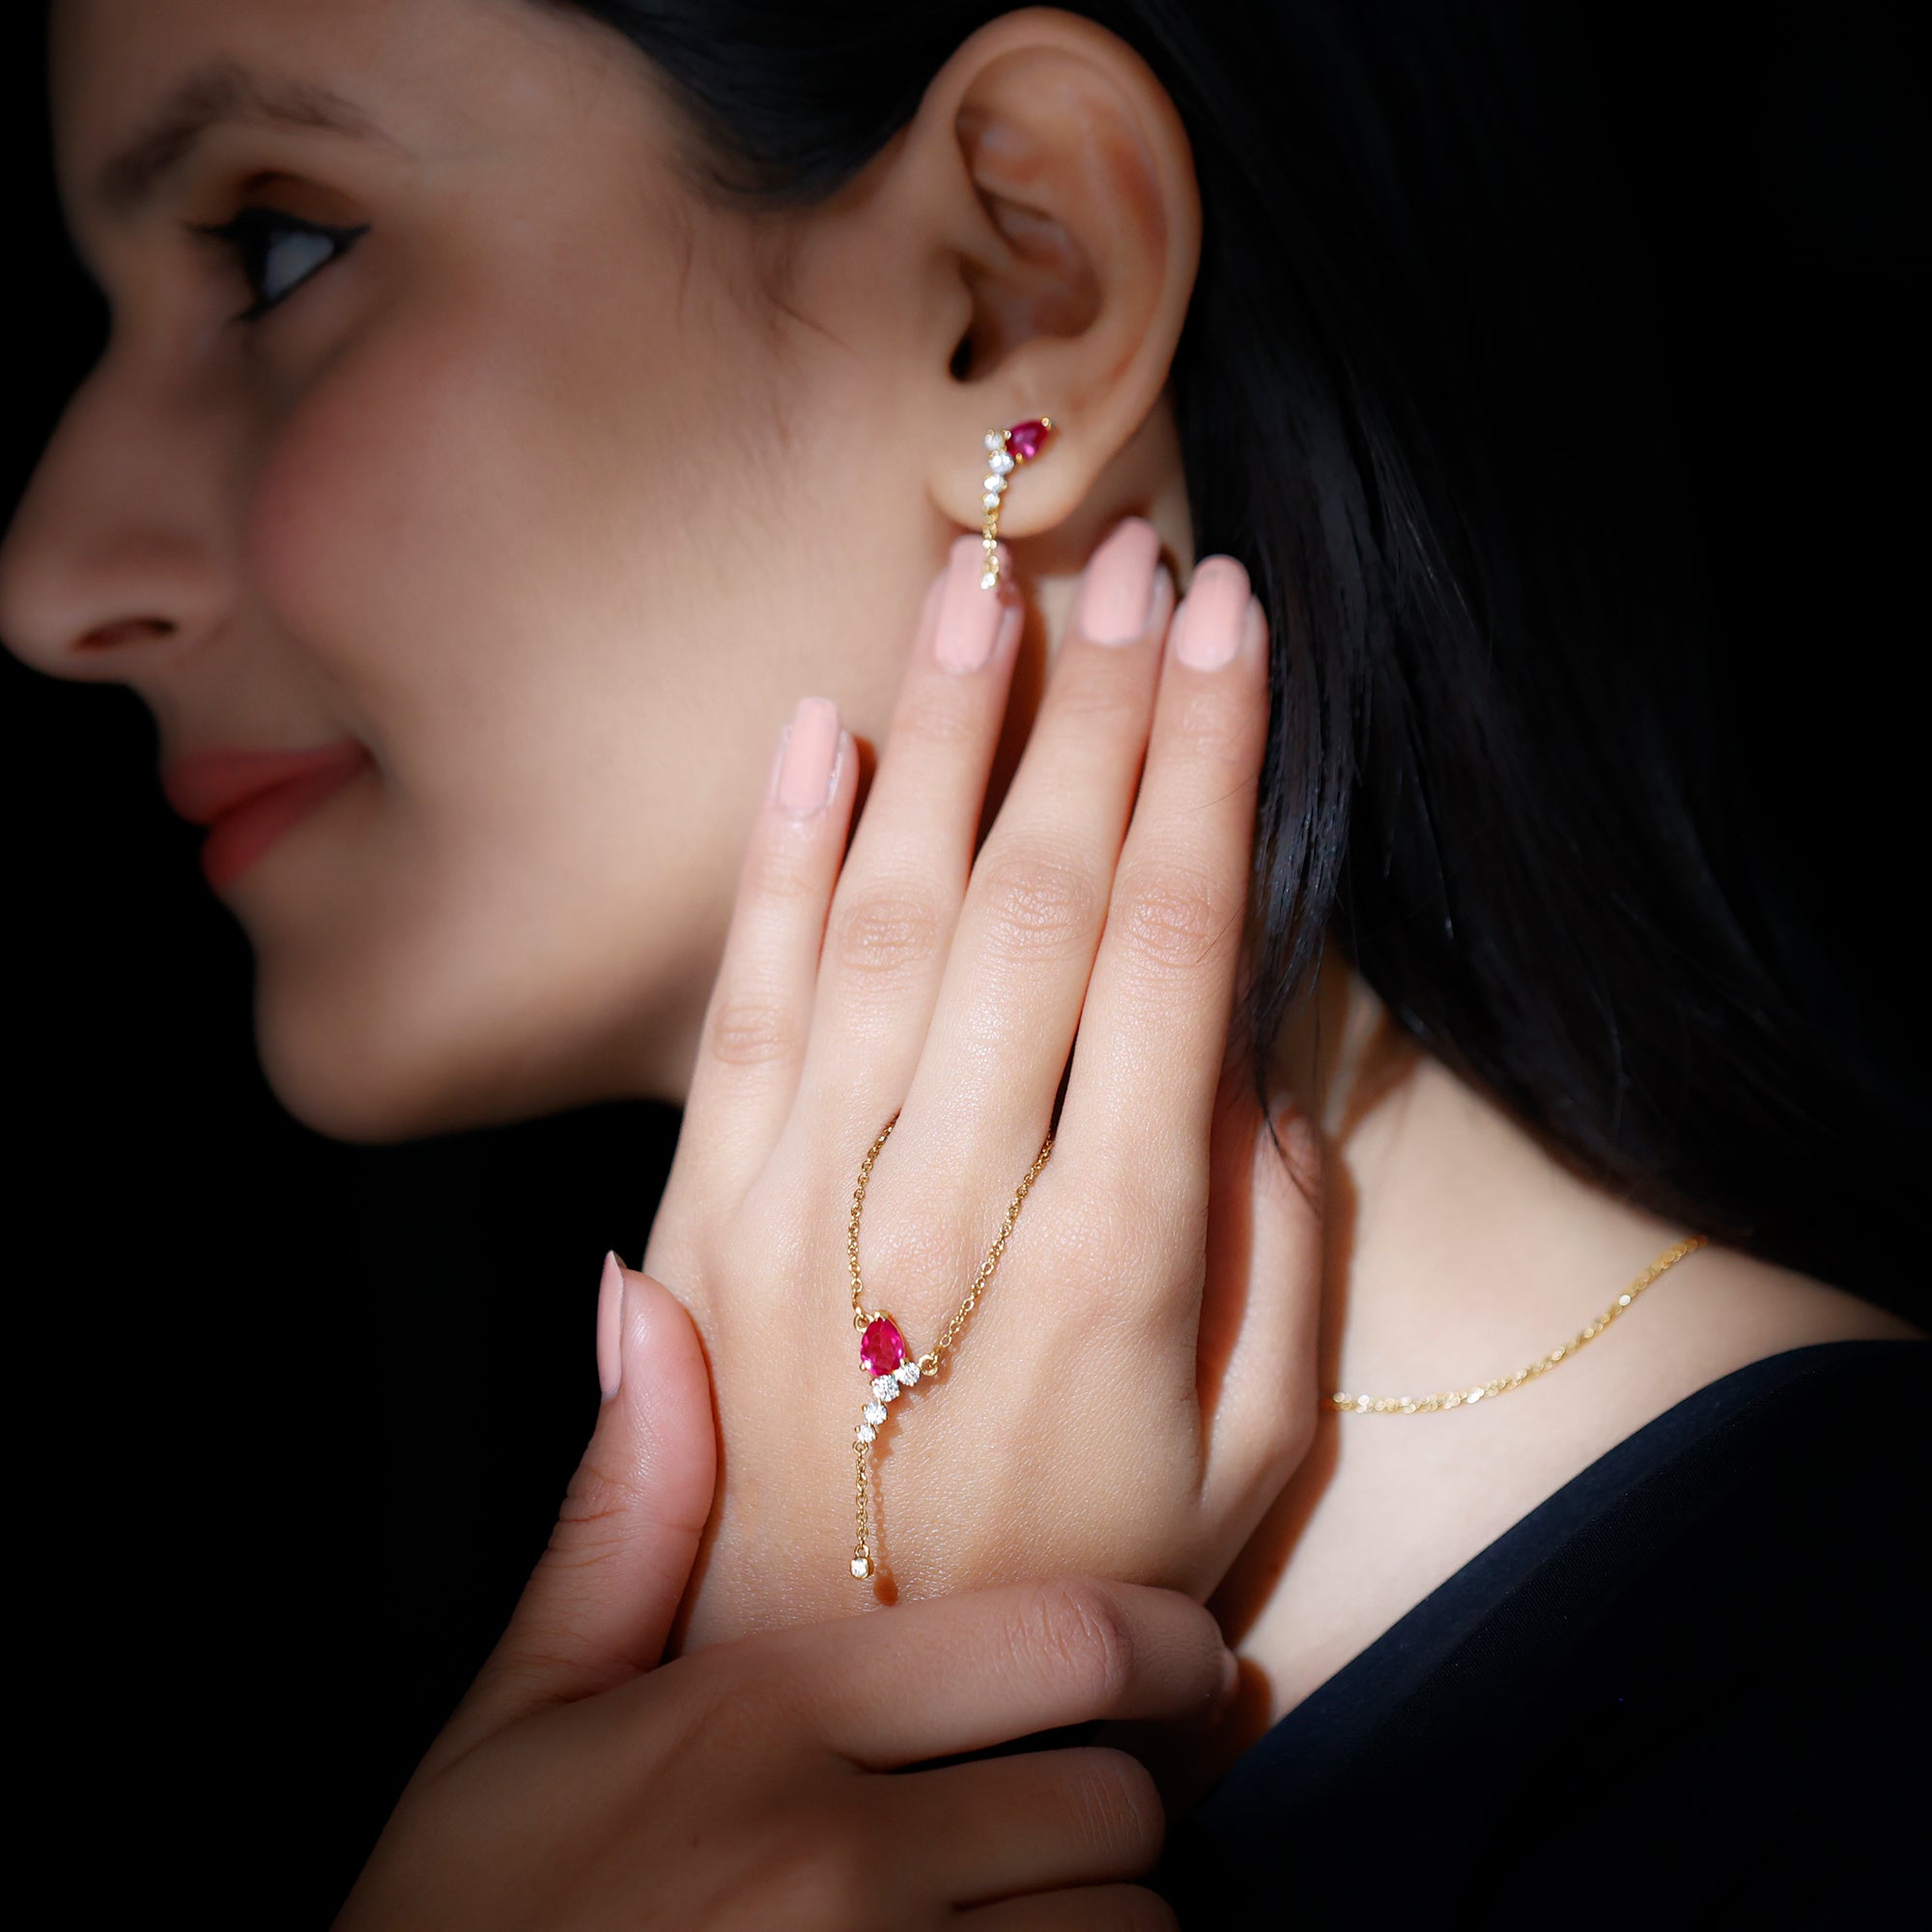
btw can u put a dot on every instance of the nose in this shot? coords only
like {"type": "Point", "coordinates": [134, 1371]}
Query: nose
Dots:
{"type": "Point", "coordinates": [110, 563]}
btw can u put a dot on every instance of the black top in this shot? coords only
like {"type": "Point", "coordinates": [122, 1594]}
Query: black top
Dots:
{"type": "Point", "coordinates": [1689, 1689]}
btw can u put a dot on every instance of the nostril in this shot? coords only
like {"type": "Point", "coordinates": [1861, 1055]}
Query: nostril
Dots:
{"type": "Point", "coordinates": [128, 630]}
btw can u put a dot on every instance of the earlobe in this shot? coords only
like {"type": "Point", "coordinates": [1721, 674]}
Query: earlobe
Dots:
{"type": "Point", "coordinates": [1074, 231]}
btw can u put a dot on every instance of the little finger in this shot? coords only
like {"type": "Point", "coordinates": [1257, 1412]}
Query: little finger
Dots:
{"type": "Point", "coordinates": [1260, 1313]}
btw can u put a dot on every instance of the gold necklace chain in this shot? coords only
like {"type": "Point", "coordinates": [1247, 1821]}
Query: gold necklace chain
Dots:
{"type": "Point", "coordinates": [904, 1373]}
{"type": "Point", "coordinates": [1431, 1405]}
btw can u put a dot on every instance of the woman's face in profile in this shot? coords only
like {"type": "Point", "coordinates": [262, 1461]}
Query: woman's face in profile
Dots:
{"type": "Point", "coordinates": [488, 458]}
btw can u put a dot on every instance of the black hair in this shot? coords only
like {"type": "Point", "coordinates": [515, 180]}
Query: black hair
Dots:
{"type": "Point", "coordinates": [1423, 395]}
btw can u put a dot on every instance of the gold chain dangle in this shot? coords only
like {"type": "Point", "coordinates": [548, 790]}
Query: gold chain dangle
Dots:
{"type": "Point", "coordinates": [883, 1352]}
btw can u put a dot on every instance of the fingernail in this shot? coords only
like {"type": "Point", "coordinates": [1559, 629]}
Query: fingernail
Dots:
{"type": "Point", "coordinates": [1213, 615]}
{"type": "Point", "coordinates": [610, 1326]}
{"type": "Point", "coordinates": [970, 619]}
{"type": "Point", "coordinates": [1117, 592]}
{"type": "Point", "coordinates": [811, 743]}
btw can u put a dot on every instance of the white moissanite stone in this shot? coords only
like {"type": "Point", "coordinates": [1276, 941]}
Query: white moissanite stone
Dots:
{"type": "Point", "coordinates": [990, 581]}
{"type": "Point", "coordinates": [995, 439]}
{"type": "Point", "coordinates": [875, 1413]}
{"type": "Point", "coordinates": [907, 1372]}
{"type": "Point", "coordinates": [994, 486]}
{"type": "Point", "coordinates": [866, 1431]}
{"type": "Point", "coordinates": [884, 1388]}
{"type": "Point", "coordinates": [1001, 464]}
{"type": "Point", "coordinates": [862, 1567]}
{"type": "Point", "coordinates": [990, 501]}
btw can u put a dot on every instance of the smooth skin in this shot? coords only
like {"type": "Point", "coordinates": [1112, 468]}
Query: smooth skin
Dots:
{"type": "Point", "coordinates": [581, 1787]}
{"type": "Point", "coordinates": [566, 585]}
{"type": "Point", "coordinates": [1106, 897]}
{"type": "Point", "coordinates": [739, 1784]}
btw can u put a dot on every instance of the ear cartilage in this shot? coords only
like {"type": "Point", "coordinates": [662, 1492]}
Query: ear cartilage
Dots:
{"type": "Point", "coordinates": [1006, 450]}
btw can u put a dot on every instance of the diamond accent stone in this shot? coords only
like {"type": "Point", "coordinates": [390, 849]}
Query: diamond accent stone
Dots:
{"type": "Point", "coordinates": [862, 1567]}
{"type": "Point", "coordinates": [884, 1388]}
{"type": "Point", "coordinates": [995, 439]}
{"type": "Point", "coordinates": [990, 581]}
{"type": "Point", "coordinates": [875, 1413]}
{"type": "Point", "coordinates": [995, 485]}
{"type": "Point", "coordinates": [866, 1432]}
{"type": "Point", "coordinates": [1001, 464]}
{"type": "Point", "coordinates": [907, 1372]}
{"type": "Point", "coordinates": [990, 501]}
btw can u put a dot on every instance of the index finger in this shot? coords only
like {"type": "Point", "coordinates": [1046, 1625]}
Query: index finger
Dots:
{"type": "Point", "coordinates": [960, 1673]}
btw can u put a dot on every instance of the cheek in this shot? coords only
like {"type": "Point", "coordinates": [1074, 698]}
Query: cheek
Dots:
{"type": "Point", "coordinates": [520, 577]}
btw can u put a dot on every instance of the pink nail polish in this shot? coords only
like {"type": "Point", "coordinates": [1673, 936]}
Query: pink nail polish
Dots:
{"type": "Point", "coordinates": [811, 744]}
{"type": "Point", "coordinates": [1117, 591]}
{"type": "Point", "coordinates": [610, 1326]}
{"type": "Point", "coordinates": [1213, 615]}
{"type": "Point", "coordinates": [970, 617]}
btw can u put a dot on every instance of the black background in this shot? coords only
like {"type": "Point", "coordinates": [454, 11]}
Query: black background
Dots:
{"type": "Point", "coordinates": [297, 1415]}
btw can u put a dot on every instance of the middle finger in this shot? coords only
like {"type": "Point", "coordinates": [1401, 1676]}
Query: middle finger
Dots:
{"type": "Point", "coordinates": [1010, 996]}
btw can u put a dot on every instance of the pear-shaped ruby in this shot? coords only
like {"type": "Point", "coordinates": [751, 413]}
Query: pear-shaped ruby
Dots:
{"type": "Point", "coordinates": [1027, 440]}
{"type": "Point", "coordinates": [881, 1348]}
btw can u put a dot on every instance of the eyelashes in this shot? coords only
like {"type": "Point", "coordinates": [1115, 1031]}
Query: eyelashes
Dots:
{"type": "Point", "coordinates": [271, 248]}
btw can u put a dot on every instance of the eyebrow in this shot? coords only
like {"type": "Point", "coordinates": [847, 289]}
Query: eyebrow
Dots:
{"type": "Point", "coordinates": [223, 90]}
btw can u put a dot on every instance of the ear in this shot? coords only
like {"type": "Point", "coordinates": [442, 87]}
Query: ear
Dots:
{"type": "Point", "coordinates": [1053, 185]}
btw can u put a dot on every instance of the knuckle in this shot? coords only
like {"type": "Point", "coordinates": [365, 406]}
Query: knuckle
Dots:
{"type": "Point", "coordinates": [1118, 1807]}
{"type": "Point", "coordinates": [1096, 690]}
{"type": "Point", "coordinates": [784, 870]}
{"type": "Point", "coordinates": [1208, 728]}
{"type": "Point", "coordinates": [1174, 918]}
{"type": "Point", "coordinates": [808, 1872]}
{"type": "Point", "coordinates": [937, 715]}
{"type": "Point", "coordinates": [885, 930]}
{"type": "Point", "coordinates": [1077, 1629]}
{"type": "Point", "coordinates": [595, 1512]}
{"type": "Point", "coordinates": [1033, 903]}
{"type": "Point", "coordinates": [745, 1031]}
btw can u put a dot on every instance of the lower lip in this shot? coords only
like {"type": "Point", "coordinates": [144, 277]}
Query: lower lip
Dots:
{"type": "Point", "coordinates": [240, 835]}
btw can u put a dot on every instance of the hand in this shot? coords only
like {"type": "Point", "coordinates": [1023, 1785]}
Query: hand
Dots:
{"type": "Point", "coordinates": [1138, 1383]}
{"type": "Point", "coordinates": [760, 1783]}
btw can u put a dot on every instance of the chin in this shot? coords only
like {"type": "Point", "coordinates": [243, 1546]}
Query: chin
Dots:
{"type": "Point", "coordinates": [366, 1062]}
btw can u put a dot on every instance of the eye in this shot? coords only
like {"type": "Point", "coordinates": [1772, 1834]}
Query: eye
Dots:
{"type": "Point", "coordinates": [277, 252]}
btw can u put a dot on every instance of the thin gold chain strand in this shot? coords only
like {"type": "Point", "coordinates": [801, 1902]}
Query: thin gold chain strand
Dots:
{"type": "Point", "coordinates": [950, 1334]}
{"type": "Point", "coordinates": [928, 1363]}
{"type": "Point", "coordinates": [1431, 1405]}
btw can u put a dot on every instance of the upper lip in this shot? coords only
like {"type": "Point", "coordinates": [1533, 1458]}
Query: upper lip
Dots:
{"type": "Point", "coordinates": [204, 784]}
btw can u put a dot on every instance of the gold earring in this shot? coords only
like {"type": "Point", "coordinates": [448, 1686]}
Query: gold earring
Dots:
{"type": "Point", "coordinates": [1007, 450]}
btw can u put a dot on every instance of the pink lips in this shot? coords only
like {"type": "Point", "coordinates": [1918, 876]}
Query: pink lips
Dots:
{"type": "Point", "coordinates": [248, 799]}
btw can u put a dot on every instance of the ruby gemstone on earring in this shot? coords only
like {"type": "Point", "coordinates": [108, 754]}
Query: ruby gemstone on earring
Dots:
{"type": "Point", "coordinates": [1027, 440]}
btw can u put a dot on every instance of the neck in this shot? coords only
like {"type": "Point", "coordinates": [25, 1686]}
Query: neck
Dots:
{"type": "Point", "coordinates": [1458, 1247]}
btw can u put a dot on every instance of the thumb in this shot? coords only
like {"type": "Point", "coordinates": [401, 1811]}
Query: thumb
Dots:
{"type": "Point", "coordinates": [599, 1605]}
